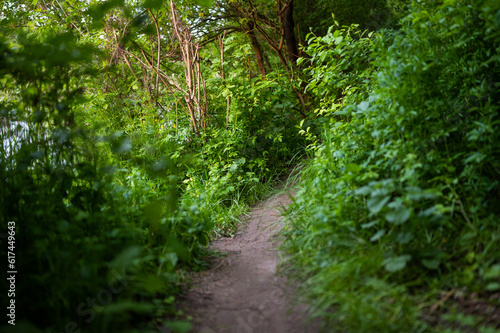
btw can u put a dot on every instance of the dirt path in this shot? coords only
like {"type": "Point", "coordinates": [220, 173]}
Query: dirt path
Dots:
{"type": "Point", "coordinates": [241, 293]}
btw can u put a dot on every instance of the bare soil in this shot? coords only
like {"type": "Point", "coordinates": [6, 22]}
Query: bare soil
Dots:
{"type": "Point", "coordinates": [242, 292]}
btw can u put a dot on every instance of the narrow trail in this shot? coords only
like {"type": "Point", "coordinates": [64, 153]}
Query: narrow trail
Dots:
{"type": "Point", "coordinates": [242, 293]}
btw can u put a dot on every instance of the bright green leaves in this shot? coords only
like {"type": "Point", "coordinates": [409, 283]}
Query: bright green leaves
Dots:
{"type": "Point", "coordinates": [340, 65]}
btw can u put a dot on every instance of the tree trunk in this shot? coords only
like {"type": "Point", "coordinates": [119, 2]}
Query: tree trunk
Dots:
{"type": "Point", "coordinates": [288, 27]}
{"type": "Point", "coordinates": [256, 47]}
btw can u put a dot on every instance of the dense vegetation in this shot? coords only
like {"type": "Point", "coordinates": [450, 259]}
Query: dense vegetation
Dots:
{"type": "Point", "coordinates": [401, 197]}
{"type": "Point", "coordinates": [133, 132]}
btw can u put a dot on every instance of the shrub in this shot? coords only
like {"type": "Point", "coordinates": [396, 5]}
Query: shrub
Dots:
{"type": "Point", "coordinates": [403, 190]}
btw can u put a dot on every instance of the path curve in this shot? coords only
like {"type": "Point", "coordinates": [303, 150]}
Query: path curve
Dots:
{"type": "Point", "coordinates": [241, 293]}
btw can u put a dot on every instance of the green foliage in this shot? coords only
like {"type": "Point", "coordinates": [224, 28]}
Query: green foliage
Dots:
{"type": "Point", "coordinates": [340, 68]}
{"type": "Point", "coordinates": [113, 194]}
{"type": "Point", "coordinates": [93, 247]}
{"type": "Point", "coordinates": [404, 186]}
{"type": "Point", "coordinates": [236, 161]}
{"type": "Point", "coordinates": [73, 238]}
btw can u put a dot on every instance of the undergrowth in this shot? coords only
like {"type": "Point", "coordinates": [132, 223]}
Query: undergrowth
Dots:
{"type": "Point", "coordinates": [400, 198]}
{"type": "Point", "coordinates": [113, 195]}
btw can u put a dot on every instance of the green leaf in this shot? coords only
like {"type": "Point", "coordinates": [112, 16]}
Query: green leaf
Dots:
{"type": "Point", "coordinates": [363, 106]}
{"type": "Point", "coordinates": [363, 190]}
{"type": "Point", "coordinates": [377, 235]}
{"type": "Point", "coordinates": [431, 263]}
{"type": "Point", "coordinates": [369, 224]}
{"type": "Point", "coordinates": [399, 215]}
{"type": "Point", "coordinates": [404, 237]}
{"type": "Point", "coordinates": [395, 264]}
{"type": "Point", "coordinates": [353, 168]}
{"type": "Point", "coordinates": [376, 204]}
{"type": "Point", "coordinates": [492, 273]}
{"type": "Point", "coordinates": [470, 257]}
{"type": "Point", "coordinates": [204, 3]}
{"type": "Point", "coordinates": [493, 286]}
{"type": "Point", "coordinates": [170, 257]}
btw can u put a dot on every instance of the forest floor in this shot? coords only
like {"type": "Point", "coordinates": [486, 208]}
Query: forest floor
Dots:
{"type": "Point", "coordinates": [242, 291]}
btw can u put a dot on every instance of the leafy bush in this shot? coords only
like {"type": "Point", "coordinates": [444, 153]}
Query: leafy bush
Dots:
{"type": "Point", "coordinates": [404, 188]}
{"type": "Point", "coordinates": [92, 248]}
